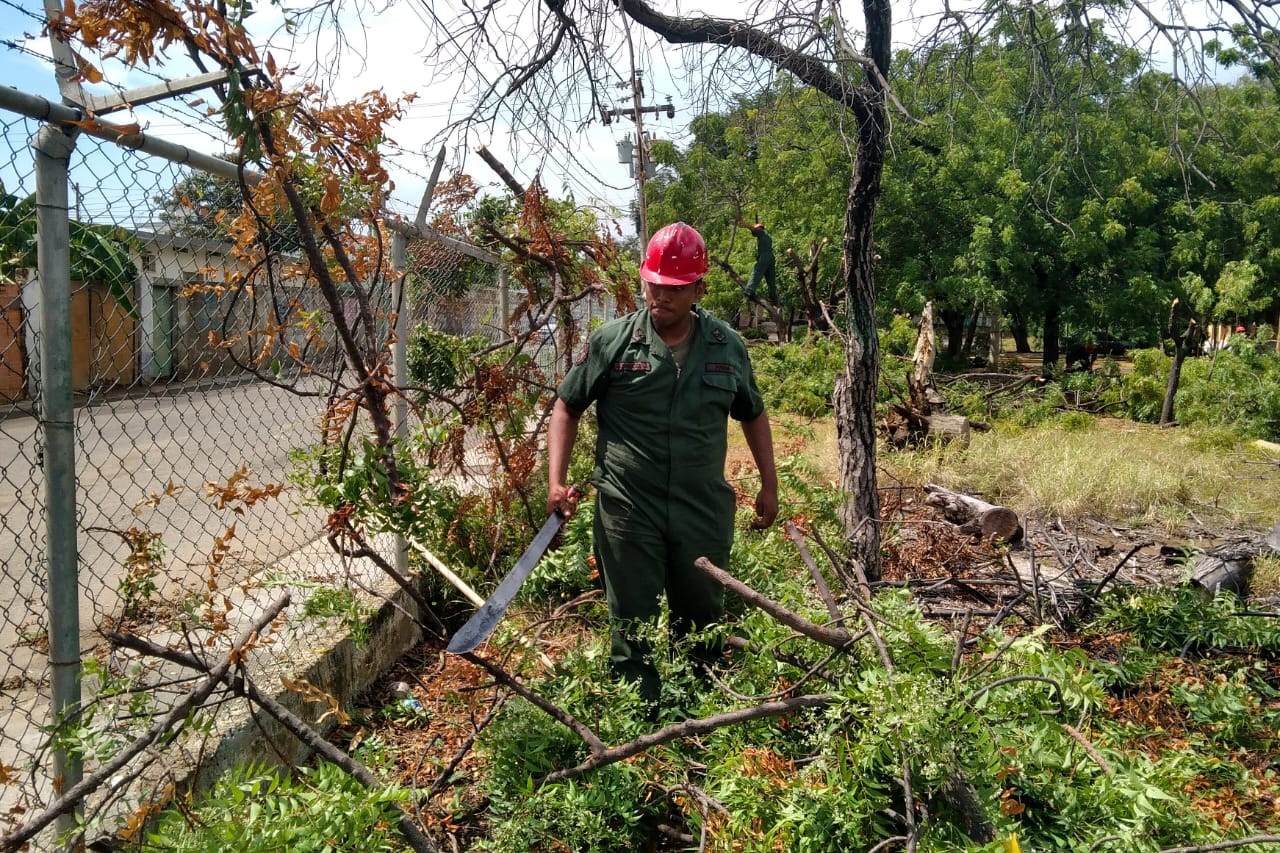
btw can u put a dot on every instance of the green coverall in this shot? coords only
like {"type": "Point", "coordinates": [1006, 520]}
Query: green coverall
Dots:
{"type": "Point", "coordinates": [766, 266]}
{"type": "Point", "coordinates": [661, 499]}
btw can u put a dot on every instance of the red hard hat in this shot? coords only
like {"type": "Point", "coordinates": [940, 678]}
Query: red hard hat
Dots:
{"type": "Point", "coordinates": [1239, 328]}
{"type": "Point", "coordinates": [676, 255]}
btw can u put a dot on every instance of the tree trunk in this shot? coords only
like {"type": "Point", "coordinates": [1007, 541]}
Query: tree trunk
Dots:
{"type": "Point", "coordinates": [1018, 330]}
{"type": "Point", "coordinates": [1182, 345]}
{"type": "Point", "coordinates": [1052, 332]}
{"type": "Point", "coordinates": [855, 394]}
{"type": "Point", "coordinates": [954, 321]}
{"type": "Point", "coordinates": [973, 330]}
{"type": "Point", "coordinates": [921, 392]}
{"type": "Point", "coordinates": [974, 516]}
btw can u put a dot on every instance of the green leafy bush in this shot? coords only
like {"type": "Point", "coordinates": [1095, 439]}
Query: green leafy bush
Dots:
{"type": "Point", "coordinates": [1180, 620]}
{"type": "Point", "coordinates": [1239, 389]}
{"type": "Point", "coordinates": [798, 377]}
{"type": "Point", "coordinates": [566, 571]}
{"type": "Point", "coordinates": [253, 809]}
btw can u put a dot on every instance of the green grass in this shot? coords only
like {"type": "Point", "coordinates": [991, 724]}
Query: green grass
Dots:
{"type": "Point", "coordinates": [1109, 469]}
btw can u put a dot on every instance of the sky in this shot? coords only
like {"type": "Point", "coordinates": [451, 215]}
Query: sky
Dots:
{"type": "Point", "coordinates": [380, 60]}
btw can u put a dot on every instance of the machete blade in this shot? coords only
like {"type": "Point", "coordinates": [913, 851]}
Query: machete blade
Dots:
{"type": "Point", "coordinates": [484, 620]}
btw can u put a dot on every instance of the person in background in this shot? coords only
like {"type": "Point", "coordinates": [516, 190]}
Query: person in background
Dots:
{"type": "Point", "coordinates": [766, 267]}
{"type": "Point", "coordinates": [665, 380]}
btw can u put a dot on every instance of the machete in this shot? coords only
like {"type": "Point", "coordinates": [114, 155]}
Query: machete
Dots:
{"type": "Point", "coordinates": [482, 623]}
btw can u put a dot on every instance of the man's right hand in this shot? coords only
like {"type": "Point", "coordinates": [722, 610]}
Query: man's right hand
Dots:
{"type": "Point", "coordinates": [563, 499]}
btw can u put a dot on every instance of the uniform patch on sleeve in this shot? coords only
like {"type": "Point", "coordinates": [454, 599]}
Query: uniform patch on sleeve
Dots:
{"type": "Point", "coordinates": [720, 367]}
{"type": "Point", "coordinates": [581, 357]}
{"type": "Point", "coordinates": [632, 366]}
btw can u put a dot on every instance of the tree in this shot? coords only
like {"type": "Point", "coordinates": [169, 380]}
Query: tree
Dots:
{"type": "Point", "coordinates": [777, 157]}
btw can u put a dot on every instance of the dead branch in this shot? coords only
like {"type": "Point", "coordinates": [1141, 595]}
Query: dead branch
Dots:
{"type": "Point", "coordinates": [16, 839]}
{"type": "Point", "coordinates": [1226, 845]}
{"type": "Point", "coordinates": [1089, 748]}
{"type": "Point", "coordinates": [836, 566]}
{"type": "Point", "coordinates": [501, 171]}
{"type": "Point", "coordinates": [688, 728]}
{"type": "Point", "coordinates": [589, 737]}
{"type": "Point", "coordinates": [961, 637]}
{"type": "Point", "coordinates": [814, 670]}
{"type": "Point", "coordinates": [442, 779]}
{"type": "Point", "coordinates": [818, 580]}
{"type": "Point", "coordinates": [427, 618]}
{"type": "Point", "coordinates": [837, 638]}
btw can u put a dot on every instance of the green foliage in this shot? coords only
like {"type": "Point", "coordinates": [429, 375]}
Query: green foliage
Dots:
{"type": "Point", "coordinates": [438, 361]}
{"type": "Point", "coordinates": [324, 601]}
{"type": "Point", "coordinates": [253, 809]}
{"type": "Point", "coordinates": [601, 813]}
{"type": "Point", "coordinates": [566, 571]}
{"type": "Point", "coordinates": [899, 338]}
{"type": "Point", "coordinates": [1237, 388]}
{"type": "Point", "coordinates": [798, 377]}
{"type": "Point", "coordinates": [1180, 619]}
{"type": "Point", "coordinates": [137, 584]}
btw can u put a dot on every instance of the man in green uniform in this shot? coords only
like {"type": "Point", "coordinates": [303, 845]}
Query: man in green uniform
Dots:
{"type": "Point", "coordinates": [665, 380]}
{"type": "Point", "coordinates": [766, 266]}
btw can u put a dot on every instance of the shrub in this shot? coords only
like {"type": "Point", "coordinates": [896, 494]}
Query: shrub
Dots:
{"type": "Point", "coordinates": [254, 809]}
{"type": "Point", "coordinates": [798, 377]}
{"type": "Point", "coordinates": [1239, 388]}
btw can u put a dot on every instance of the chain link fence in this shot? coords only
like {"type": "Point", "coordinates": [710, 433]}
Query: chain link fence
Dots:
{"type": "Point", "coordinates": [181, 455]}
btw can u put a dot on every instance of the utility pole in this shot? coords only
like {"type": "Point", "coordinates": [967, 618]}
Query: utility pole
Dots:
{"type": "Point", "coordinates": [640, 164]}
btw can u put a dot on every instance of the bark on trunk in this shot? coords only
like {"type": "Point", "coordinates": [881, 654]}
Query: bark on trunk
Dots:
{"type": "Point", "coordinates": [1183, 344]}
{"type": "Point", "coordinates": [920, 388]}
{"type": "Point", "coordinates": [954, 321]}
{"type": "Point", "coordinates": [1052, 332]}
{"type": "Point", "coordinates": [855, 394]}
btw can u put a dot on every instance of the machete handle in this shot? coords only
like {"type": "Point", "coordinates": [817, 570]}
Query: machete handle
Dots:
{"type": "Point", "coordinates": [572, 494]}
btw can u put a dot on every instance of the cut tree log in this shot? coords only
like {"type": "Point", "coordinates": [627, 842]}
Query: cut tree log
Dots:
{"type": "Point", "coordinates": [1229, 567]}
{"type": "Point", "coordinates": [976, 517]}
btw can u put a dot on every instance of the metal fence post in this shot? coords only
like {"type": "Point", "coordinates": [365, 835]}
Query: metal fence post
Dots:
{"type": "Point", "coordinates": [53, 149]}
{"type": "Point", "coordinates": [504, 298]}
{"type": "Point", "coordinates": [400, 364]}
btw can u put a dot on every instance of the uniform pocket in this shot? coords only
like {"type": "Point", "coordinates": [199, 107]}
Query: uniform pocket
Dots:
{"type": "Point", "coordinates": [718, 389]}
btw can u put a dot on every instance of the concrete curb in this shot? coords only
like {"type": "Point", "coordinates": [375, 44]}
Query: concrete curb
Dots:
{"type": "Point", "coordinates": [319, 651]}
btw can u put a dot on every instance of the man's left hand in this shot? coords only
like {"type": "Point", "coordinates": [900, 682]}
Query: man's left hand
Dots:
{"type": "Point", "coordinates": [766, 509]}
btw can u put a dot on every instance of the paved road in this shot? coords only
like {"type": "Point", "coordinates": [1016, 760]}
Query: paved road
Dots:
{"type": "Point", "coordinates": [126, 450]}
